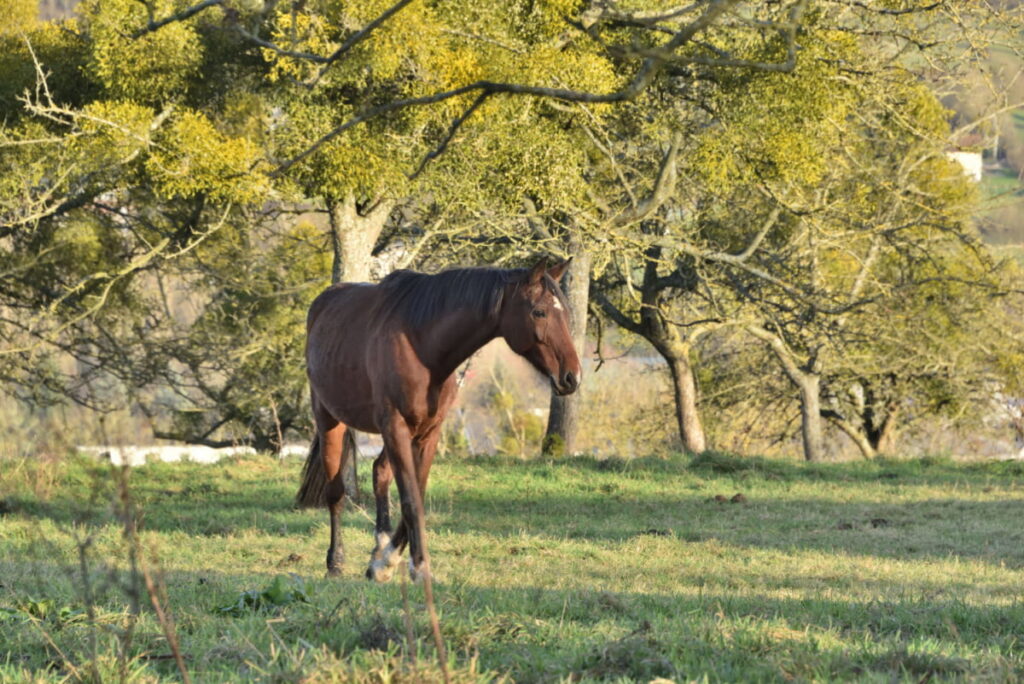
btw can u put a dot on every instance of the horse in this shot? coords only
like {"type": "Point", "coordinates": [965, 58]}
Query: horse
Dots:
{"type": "Point", "coordinates": [382, 357]}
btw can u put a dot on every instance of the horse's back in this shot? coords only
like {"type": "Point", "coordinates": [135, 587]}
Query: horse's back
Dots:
{"type": "Point", "coordinates": [340, 299]}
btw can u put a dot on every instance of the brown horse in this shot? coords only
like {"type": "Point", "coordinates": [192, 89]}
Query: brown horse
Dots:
{"type": "Point", "coordinates": [381, 358]}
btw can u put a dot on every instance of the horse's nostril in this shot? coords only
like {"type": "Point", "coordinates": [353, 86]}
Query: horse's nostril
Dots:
{"type": "Point", "coordinates": [570, 380]}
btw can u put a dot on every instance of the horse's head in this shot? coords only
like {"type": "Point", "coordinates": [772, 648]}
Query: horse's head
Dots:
{"type": "Point", "coordinates": [535, 323]}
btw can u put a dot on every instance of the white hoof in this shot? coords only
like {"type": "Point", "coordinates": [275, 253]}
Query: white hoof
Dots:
{"type": "Point", "coordinates": [383, 564]}
{"type": "Point", "coordinates": [417, 574]}
{"type": "Point", "coordinates": [379, 571]}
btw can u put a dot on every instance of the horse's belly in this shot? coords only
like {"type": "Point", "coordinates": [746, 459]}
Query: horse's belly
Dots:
{"type": "Point", "coordinates": [346, 394]}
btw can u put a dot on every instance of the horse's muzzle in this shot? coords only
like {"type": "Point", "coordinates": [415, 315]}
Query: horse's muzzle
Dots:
{"type": "Point", "coordinates": [567, 385]}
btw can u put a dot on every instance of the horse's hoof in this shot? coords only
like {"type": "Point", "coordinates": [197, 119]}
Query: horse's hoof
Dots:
{"type": "Point", "coordinates": [416, 574]}
{"type": "Point", "coordinates": [334, 563]}
{"type": "Point", "coordinates": [379, 572]}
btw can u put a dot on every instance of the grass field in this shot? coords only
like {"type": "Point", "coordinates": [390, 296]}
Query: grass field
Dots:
{"type": "Point", "coordinates": [575, 570]}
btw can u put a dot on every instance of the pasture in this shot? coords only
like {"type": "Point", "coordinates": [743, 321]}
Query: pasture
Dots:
{"type": "Point", "coordinates": [573, 570]}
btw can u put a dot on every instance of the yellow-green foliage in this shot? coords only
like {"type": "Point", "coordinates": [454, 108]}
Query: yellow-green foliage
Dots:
{"type": "Point", "coordinates": [192, 157]}
{"type": "Point", "coordinates": [779, 126]}
{"type": "Point", "coordinates": [112, 131]}
{"type": "Point", "coordinates": [365, 160]}
{"type": "Point", "coordinates": [19, 16]}
{"type": "Point", "coordinates": [411, 45]}
{"type": "Point", "coordinates": [521, 152]}
{"type": "Point", "coordinates": [84, 246]}
{"type": "Point", "coordinates": [154, 67]}
{"type": "Point", "coordinates": [297, 31]}
{"type": "Point", "coordinates": [60, 54]}
{"type": "Point", "coordinates": [431, 48]}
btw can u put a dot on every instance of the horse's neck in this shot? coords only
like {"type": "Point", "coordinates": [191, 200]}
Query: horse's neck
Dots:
{"type": "Point", "coordinates": [451, 340]}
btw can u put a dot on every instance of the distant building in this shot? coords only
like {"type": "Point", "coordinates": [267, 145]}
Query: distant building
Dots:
{"type": "Point", "coordinates": [971, 161]}
{"type": "Point", "coordinates": [967, 151]}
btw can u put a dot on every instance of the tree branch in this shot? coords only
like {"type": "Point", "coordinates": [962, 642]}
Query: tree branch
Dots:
{"type": "Point", "coordinates": [184, 14]}
{"type": "Point", "coordinates": [640, 81]}
{"type": "Point", "coordinates": [456, 124]}
{"type": "Point", "coordinates": [360, 35]}
{"type": "Point", "coordinates": [664, 186]}
{"type": "Point", "coordinates": [621, 319]}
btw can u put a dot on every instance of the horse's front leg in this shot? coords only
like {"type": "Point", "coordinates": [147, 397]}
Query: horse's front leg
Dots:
{"type": "Point", "coordinates": [387, 554]}
{"type": "Point", "coordinates": [399, 445]}
{"type": "Point", "coordinates": [424, 450]}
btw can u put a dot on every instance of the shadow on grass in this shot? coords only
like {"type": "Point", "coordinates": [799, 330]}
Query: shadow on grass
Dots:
{"type": "Point", "coordinates": [204, 500]}
{"type": "Point", "coordinates": [927, 470]}
{"type": "Point", "coordinates": [538, 634]}
{"type": "Point", "coordinates": [602, 501]}
{"type": "Point", "coordinates": [542, 634]}
{"type": "Point", "coordinates": [607, 501]}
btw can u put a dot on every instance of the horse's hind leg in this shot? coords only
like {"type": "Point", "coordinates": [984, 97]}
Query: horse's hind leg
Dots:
{"type": "Point", "coordinates": [382, 478]}
{"type": "Point", "coordinates": [332, 440]}
{"type": "Point", "coordinates": [385, 555]}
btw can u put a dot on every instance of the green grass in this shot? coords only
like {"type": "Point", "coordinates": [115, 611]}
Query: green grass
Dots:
{"type": "Point", "coordinates": [573, 570]}
{"type": "Point", "coordinates": [1000, 184]}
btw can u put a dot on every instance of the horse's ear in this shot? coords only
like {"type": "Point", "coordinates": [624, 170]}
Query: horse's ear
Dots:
{"type": "Point", "coordinates": [537, 272]}
{"type": "Point", "coordinates": [558, 270]}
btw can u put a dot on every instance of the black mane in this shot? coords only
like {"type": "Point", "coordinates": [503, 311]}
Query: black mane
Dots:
{"type": "Point", "coordinates": [418, 298]}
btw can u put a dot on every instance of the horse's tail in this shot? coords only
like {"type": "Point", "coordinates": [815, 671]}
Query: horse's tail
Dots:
{"type": "Point", "coordinates": [313, 490]}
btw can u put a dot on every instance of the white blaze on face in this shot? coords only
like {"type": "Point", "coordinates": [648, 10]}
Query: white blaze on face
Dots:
{"type": "Point", "coordinates": [558, 304]}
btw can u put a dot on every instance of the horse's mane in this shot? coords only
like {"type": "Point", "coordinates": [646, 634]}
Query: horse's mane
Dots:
{"type": "Point", "coordinates": [418, 298]}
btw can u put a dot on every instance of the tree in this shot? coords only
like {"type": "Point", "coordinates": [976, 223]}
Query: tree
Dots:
{"type": "Point", "coordinates": [885, 230]}
{"type": "Point", "coordinates": [160, 128]}
{"type": "Point", "coordinates": [776, 228]}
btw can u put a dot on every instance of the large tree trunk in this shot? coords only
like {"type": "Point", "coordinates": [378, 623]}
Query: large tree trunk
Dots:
{"type": "Point", "coordinates": [353, 236]}
{"type": "Point", "coordinates": [880, 419]}
{"type": "Point", "coordinates": [810, 416]}
{"type": "Point", "coordinates": [867, 450]}
{"type": "Point", "coordinates": [886, 439]}
{"type": "Point", "coordinates": [675, 350]}
{"type": "Point", "coordinates": [807, 380]}
{"type": "Point", "coordinates": [672, 347]}
{"type": "Point", "coordinates": [684, 388]}
{"type": "Point", "coordinates": [563, 418]}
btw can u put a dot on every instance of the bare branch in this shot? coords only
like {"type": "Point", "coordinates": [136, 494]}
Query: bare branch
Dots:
{"type": "Point", "coordinates": [893, 12]}
{"type": "Point", "coordinates": [184, 14]}
{"type": "Point", "coordinates": [456, 124]}
{"type": "Point", "coordinates": [308, 56]}
{"type": "Point", "coordinates": [613, 312]}
{"type": "Point", "coordinates": [534, 220]}
{"type": "Point", "coordinates": [361, 35]}
{"type": "Point", "coordinates": [664, 186]}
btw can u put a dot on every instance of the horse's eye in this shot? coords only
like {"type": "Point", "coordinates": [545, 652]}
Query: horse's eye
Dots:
{"type": "Point", "coordinates": [537, 313]}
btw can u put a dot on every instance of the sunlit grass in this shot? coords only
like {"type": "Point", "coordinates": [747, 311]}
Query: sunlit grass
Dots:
{"type": "Point", "coordinates": [581, 568]}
